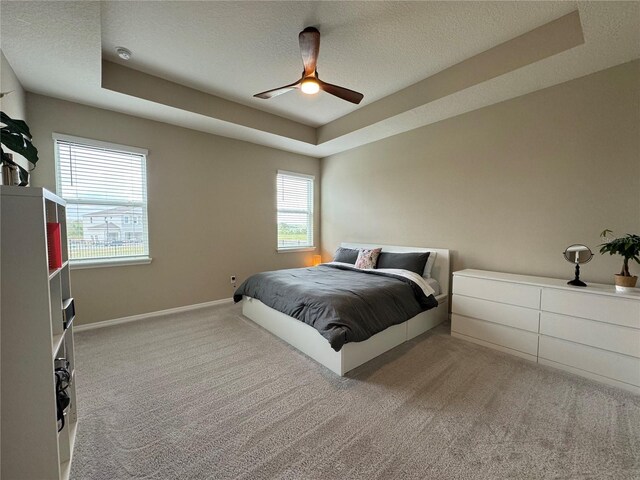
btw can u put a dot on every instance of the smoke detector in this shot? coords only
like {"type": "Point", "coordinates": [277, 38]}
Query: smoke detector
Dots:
{"type": "Point", "coordinates": [123, 53]}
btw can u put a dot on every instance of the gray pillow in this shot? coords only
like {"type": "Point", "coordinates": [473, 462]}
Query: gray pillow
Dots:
{"type": "Point", "coordinates": [346, 255]}
{"type": "Point", "coordinates": [413, 261]}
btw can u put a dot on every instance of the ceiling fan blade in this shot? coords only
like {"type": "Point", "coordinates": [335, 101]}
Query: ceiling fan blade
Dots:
{"type": "Point", "coordinates": [341, 92]}
{"type": "Point", "coordinates": [277, 91]}
{"type": "Point", "coordinates": [309, 40]}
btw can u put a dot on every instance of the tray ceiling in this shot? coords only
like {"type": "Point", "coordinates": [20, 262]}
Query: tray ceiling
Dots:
{"type": "Point", "coordinates": [197, 64]}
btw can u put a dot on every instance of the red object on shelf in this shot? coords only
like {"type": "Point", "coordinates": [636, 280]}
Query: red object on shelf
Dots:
{"type": "Point", "coordinates": [54, 245]}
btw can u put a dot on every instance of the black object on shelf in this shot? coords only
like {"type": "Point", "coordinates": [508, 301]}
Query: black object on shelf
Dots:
{"type": "Point", "coordinates": [68, 312]}
{"type": "Point", "coordinates": [62, 377]}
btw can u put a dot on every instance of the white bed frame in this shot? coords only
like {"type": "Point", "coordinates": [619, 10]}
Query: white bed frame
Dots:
{"type": "Point", "coordinates": [309, 341]}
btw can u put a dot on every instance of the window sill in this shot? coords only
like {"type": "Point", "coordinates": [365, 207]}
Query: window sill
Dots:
{"type": "Point", "coordinates": [111, 262]}
{"type": "Point", "coordinates": [296, 249]}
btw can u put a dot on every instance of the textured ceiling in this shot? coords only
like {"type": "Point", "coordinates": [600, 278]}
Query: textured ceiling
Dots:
{"type": "Point", "coordinates": [237, 49]}
{"type": "Point", "coordinates": [393, 52]}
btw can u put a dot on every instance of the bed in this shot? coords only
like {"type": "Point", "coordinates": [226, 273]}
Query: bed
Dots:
{"type": "Point", "coordinates": [310, 341]}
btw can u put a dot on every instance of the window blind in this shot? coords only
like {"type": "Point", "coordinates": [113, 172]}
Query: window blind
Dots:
{"type": "Point", "coordinates": [105, 186]}
{"type": "Point", "coordinates": [295, 210]}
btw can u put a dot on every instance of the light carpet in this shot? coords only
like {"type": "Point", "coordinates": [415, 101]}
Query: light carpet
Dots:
{"type": "Point", "coordinates": [210, 395]}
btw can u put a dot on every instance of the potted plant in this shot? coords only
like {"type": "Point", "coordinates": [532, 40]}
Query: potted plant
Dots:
{"type": "Point", "coordinates": [15, 136]}
{"type": "Point", "coordinates": [628, 247]}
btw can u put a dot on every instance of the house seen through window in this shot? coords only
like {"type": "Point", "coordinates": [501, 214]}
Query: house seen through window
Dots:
{"type": "Point", "coordinates": [105, 187]}
{"type": "Point", "coordinates": [295, 210]}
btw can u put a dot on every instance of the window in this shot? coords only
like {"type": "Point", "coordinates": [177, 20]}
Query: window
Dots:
{"type": "Point", "coordinates": [105, 186]}
{"type": "Point", "coordinates": [295, 210]}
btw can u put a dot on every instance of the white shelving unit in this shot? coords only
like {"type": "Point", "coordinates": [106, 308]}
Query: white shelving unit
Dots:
{"type": "Point", "coordinates": [32, 337]}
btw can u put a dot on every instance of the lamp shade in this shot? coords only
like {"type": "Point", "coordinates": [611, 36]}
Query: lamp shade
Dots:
{"type": "Point", "coordinates": [317, 260]}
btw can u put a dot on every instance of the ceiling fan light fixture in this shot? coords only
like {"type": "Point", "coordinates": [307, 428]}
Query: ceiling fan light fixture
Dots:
{"type": "Point", "coordinates": [309, 86]}
{"type": "Point", "coordinates": [309, 40]}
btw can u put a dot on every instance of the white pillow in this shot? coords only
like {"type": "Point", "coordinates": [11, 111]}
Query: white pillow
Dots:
{"type": "Point", "coordinates": [429, 265]}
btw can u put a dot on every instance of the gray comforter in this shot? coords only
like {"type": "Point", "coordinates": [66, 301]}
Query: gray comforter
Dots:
{"type": "Point", "coordinates": [343, 304]}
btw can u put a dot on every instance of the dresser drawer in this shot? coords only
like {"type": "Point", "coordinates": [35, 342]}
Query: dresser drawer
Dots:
{"type": "Point", "coordinates": [503, 292]}
{"type": "Point", "coordinates": [509, 315]}
{"type": "Point", "coordinates": [596, 334]}
{"type": "Point", "coordinates": [513, 338]}
{"type": "Point", "coordinates": [601, 362]}
{"type": "Point", "coordinates": [619, 311]}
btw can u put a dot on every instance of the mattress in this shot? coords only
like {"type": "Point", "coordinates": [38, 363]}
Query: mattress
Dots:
{"type": "Point", "coordinates": [343, 303]}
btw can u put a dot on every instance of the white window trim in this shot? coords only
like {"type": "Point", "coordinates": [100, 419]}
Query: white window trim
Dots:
{"type": "Point", "coordinates": [99, 144]}
{"type": "Point", "coordinates": [296, 249]}
{"type": "Point", "coordinates": [107, 262]}
{"type": "Point", "coordinates": [110, 262]}
{"type": "Point", "coordinates": [312, 247]}
{"type": "Point", "coordinates": [296, 174]}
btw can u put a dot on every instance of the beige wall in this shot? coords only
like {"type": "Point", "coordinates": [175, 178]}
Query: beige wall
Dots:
{"type": "Point", "coordinates": [506, 187]}
{"type": "Point", "coordinates": [211, 210]}
{"type": "Point", "coordinates": [12, 104]}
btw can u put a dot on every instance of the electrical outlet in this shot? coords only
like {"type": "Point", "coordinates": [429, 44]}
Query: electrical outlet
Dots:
{"type": "Point", "coordinates": [233, 279]}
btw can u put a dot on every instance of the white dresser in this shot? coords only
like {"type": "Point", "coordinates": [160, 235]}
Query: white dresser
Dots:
{"type": "Point", "coordinates": [592, 331]}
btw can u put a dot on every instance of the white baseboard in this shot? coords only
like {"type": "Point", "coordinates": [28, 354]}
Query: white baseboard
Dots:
{"type": "Point", "coordinates": [142, 316]}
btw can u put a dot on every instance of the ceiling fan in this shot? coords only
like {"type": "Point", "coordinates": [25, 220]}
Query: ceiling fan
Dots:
{"type": "Point", "coordinates": [309, 40]}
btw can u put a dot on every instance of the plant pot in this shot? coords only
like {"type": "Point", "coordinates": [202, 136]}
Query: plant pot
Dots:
{"type": "Point", "coordinates": [624, 283]}
{"type": "Point", "coordinates": [10, 175]}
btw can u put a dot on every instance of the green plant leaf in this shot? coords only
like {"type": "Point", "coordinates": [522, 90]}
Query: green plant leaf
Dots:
{"type": "Point", "coordinates": [15, 126]}
{"type": "Point", "coordinates": [628, 246]}
{"type": "Point", "coordinates": [20, 145]}
{"type": "Point", "coordinates": [24, 175]}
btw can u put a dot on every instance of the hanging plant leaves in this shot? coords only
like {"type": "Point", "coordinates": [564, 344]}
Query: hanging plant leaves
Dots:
{"type": "Point", "coordinates": [16, 136]}
{"type": "Point", "coordinates": [19, 144]}
{"type": "Point", "coordinates": [15, 126]}
{"type": "Point", "coordinates": [24, 176]}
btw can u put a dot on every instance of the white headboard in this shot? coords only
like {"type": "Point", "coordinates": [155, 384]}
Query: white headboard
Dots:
{"type": "Point", "coordinates": [441, 267]}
